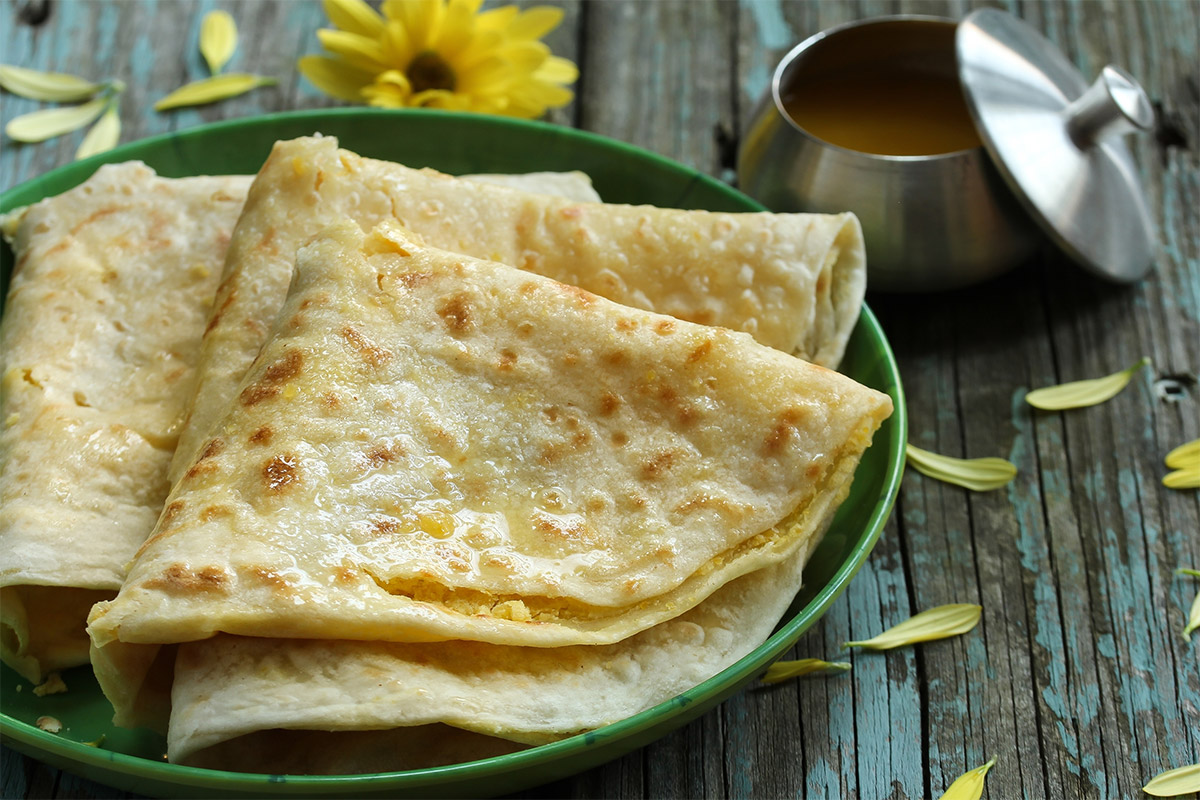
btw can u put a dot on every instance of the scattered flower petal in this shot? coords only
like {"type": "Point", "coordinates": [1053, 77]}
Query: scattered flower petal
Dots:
{"type": "Point", "coordinates": [103, 136]}
{"type": "Point", "coordinates": [1185, 456]}
{"type": "Point", "coordinates": [969, 785]}
{"type": "Point", "coordinates": [1174, 782]}
{"type": "Point", "coordinates": [939, 622]}
{"type": "Point", "coordinates": [1193, 622]}
{"type": "Point", "coordinates": [38, 126]}
{"type": "Point", "coordinates": [1078, 394]}
{"type": "Point", "coordinates": [785, 670]}
{"type": "Point", "coordinates": [976, 474]}
{"type": "Point", "coordinates": [210, 90]}
{"type": "Point", "coordinates": [52, 87]}
{"type": "Point", "coordinates": [1182, 479]}
{"type": "Point", "coordinates": [218, 39]}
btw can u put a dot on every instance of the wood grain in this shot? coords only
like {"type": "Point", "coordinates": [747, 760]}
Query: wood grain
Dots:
{"type": "Point", "coordinates": [1077, 680]}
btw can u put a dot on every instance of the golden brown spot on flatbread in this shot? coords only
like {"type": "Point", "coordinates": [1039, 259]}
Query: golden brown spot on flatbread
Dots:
{"type": "Point", "coordinates": [230, 294]}
{"type": "Point", "coordinates": [382, 454]}
{"type": "Point", "coordinates": [619, 439]}
{"type": "Point", "coordinates": [94, 217]}
{"type": "Point", "coordinates": [701, 350]}
{"type": "Point", "coordinates": [583, 297]}
{"type": "Point", "coordinates": [331, 401]}
{"type": "Point", "coordinates": [256, 393]}
{"type": "Point", "coordinates": [812, 471]}
{"type": "Point", "coordinates": [507, 359]}
{"type": "Point", "coordinates": [686, 414]}
{"type": "Point", "coordinates": [524, 329]}
{"type": "Point", "coordinates": [615, 358]}
{"type": "Point", "coordinates": [528, 288]}
{"type": "Point", "coordinates": [551, 413]}
{"type": "Point", "coordinates": [705, 500]}
{"type": "Point", "coordinates": [385, 526]}
{"type": "Point", "coordinates": [655, 467]}
{"type": "Point", "coordinates": [571, 358]}
{"type": "Point", "coordinates": [571, 212]}
{"type": "Point", "coordinates": [573, 530]}
{"type": "Point", "coordinates": [169, 514]}
{"type": "Point", "coordinates": [626, 325]}
{"type": "Point", "coordinates": [181, 579]}
{"type": "Point", "coordinates": [822, 282]}
{"type": "Point", "coordinates": [269, 577]}
{"type": "Point", "coordinates": [455, 311]}
{"type": "Point", "coordinates": [287, 367]}
{"type": "Point", "coordinates": [452, 557]}
{"type": "Point", "coordinates": [215, 512]}
{"type": "Point", "coordinates": [267, 242]}
{"type": "Point", "coordinates": [279, 473]}
{"type": "Point", "coordinates": [596, 505]}
{"type": "Point", "coordinates": [779, 436]}
{"type": "Point", "coordinates": [373, 354]}
{"type": "Point", "coordinates": [632, 585]}
{"type": "Point", "coordinates": [609, 403]}
{"type": "Point", "coordinates": [262, 436]}
{"type": "Point", "coordinates": [345, 575]}
{"type": "Point", "coordinates": [664, 327]}
{"type": "Point", "coordinates": [297, 321]}
{"type": "Point", "coordinates": [203, 465]}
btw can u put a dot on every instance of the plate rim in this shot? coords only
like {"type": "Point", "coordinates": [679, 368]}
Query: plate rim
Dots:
{"type": "Point", "coordinates": [726, 682]}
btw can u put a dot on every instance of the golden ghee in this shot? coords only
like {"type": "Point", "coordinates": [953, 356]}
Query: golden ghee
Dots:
{"type": "Point", "coordinates": [891, 114]}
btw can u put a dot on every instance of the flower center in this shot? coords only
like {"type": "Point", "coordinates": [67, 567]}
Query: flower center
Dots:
{"type": "Point", "coordinates": [429, 71]}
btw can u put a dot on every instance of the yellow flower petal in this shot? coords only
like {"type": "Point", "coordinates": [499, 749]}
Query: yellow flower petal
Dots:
{"type": "Point", "coordinates": [496, 19]}
{"type": "Point", "coordinates": [218, 39]}
{"type": "Point", "coordinates": [38, 126]}
{"type": "Point", "coordinates": [976, 474]}
{"type": "Point", "coordinates": [1078, 394]}
{"type": "Point", "coordinates": [52, 87]}
{"type": "Point", "coordinates": [1175, 782]}
{"type": "Point", "coordinates": [354, 16]}
{"type": "Point", "coordinates": [397, 47]}
{"type": "Point", "coordinates": [935, 623]}
{"type": "Point", "coordinates": [1184, 456]}
{"type": "Point", "coordinates": [210, 90]}
{"type": "Point", "coordinates": [536, 22]}
{"type": "Point", "coordinates": [969, 785]}
{"type": "Point", "coordinates": [1182, 479]}
{"type": "Point", "coordinates": [335, 78]}
{"type": "Point", "coordinates": [421, 18]}
{"type": "Point", "coordinates": [557, 69]}
{"type": "Point", "coordinates": [103, 136]}
{"type": "Point", "coordinates": [802, 668]}
{"type": "Point", "coordinates": [358, 51]}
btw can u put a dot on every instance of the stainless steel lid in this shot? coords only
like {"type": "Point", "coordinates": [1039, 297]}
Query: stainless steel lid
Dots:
{"type": "Point", "coordinates": [1058, 142]}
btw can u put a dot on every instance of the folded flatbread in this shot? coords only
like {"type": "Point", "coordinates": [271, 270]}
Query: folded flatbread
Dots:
{"type": "Point", "coordinates": [230, 692]}
{"type": "Point", "coordinates": [111, 290]}
{"type": "Point", "coordinates": [793, 281]}
{"type": "Point", "coordinates": [431, 447]}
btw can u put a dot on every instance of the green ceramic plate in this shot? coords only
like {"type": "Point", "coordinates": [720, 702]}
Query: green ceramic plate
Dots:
{"type": "Point", "coordinates": [455, 143]}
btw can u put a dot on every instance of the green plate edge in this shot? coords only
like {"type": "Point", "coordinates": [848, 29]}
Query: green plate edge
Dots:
{"type": "Point", "coordinates": [621, 173]}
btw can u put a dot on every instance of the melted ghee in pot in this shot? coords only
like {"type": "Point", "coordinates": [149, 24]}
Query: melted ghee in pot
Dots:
{"type": "Point", "coordinates": [902, 113]}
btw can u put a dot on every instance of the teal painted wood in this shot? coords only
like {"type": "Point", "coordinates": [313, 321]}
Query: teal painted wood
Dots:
{"type": "Point", "coordinates": [1076, 680]}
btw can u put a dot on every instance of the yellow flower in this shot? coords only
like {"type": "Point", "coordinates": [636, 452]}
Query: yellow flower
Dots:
{"type": "Point", "coordinates": [441, 54]}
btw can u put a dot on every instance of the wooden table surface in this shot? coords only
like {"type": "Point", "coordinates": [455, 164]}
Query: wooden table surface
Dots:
{"type": "Point", "coordinates": [1077, 681]}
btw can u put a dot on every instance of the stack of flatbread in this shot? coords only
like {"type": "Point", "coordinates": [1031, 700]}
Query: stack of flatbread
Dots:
{"type": "Point", "coordinates": [461, 468]}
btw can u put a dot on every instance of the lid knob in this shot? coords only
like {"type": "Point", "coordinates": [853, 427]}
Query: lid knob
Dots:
{"type": "Point", "coordinates": [1115, 104]}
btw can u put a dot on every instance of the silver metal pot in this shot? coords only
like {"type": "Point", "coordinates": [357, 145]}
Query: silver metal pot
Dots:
{"type": "Point", "coordinates": [950, 219]}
